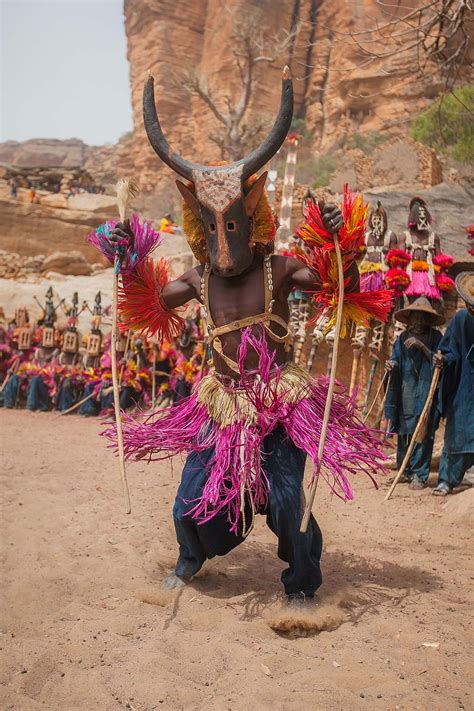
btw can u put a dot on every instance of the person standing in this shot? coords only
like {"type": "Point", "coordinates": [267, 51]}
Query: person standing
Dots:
{"type": "Point", "coordinates": [457, 391]}
{"type": "Point", "coordinates": [411, 374]}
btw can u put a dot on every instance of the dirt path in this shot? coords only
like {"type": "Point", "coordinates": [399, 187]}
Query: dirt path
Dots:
{"type": "Point", "coordinates": [86, 626]}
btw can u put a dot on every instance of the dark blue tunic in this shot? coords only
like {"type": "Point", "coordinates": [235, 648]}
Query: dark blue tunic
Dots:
{"type": "Point", "coordinates": [409, 385]}
{"type": "Point", "coordinates": [457, 384]}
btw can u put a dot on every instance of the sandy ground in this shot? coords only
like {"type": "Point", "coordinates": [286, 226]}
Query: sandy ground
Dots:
{"type": "Point", "coordinates": [86, 626]}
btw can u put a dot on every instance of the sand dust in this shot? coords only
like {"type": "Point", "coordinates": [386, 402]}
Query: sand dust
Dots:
{"type": "Point", "coordinates": [85, 624]}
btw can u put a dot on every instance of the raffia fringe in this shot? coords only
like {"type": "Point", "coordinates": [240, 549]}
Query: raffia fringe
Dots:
{"type": "Point", "coordinates": [226, 406]}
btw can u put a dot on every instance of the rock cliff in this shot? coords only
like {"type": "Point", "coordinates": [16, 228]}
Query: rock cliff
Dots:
{"type": "Point", "coordinates": [336, 92]}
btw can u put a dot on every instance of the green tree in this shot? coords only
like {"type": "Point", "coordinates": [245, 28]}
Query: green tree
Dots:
{"type": "Point", "coordinates": [448, 125]}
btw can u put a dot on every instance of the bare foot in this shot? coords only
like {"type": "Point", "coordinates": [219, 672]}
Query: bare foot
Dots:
{"type": "Point", "coordinates": [174, 581]}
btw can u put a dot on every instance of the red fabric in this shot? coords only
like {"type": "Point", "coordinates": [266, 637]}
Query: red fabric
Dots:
{"type": "Point", "coordinates": [141, 305]}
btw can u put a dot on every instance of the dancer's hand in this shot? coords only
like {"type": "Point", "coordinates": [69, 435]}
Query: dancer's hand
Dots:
{"type": "Point", "coordinates": [332, 218]}
{"type": "Point", "coordinates": [390, 365]}
{"type": "Point", "coordinates": [121, 235]}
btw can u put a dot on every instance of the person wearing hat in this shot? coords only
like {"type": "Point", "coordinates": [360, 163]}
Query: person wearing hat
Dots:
{"type": "Point", "coordinates": [411, 374]}
{"type": "Point", "coordinates": [456, 402]}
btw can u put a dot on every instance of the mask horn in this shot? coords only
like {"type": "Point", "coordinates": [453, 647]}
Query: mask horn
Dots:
{"type": "Point", "coordinates": [251, 164]}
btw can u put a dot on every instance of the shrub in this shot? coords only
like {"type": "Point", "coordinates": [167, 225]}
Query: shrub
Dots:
{"type": "Point", "coordinates": [448, 125]}
{"type": "Point", "coordinates": [366, 142]}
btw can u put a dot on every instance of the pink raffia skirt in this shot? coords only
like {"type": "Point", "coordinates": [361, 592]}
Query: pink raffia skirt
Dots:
{"type": "Point", "coordinates": [234, 420]}
{"type": "Point", "coordinates": [420, 286]}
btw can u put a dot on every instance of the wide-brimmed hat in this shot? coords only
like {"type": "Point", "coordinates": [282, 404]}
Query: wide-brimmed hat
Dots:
{"type": "Point", "coordinates": [465, 287]}
{"type": "Point", "coordinates": [420, 305]}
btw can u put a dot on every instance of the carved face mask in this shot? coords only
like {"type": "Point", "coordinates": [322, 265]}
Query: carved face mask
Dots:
{"type": "Point", "coordinates": [422, 221]}
{"type": "Point", "coordinates": [217, 195]}
{"type": "Point", "coordinates": [419, 217]}
{"type": "Point", "coordinates": [377, 225]}
{"type": "Point", "coordinates": [378, 221]}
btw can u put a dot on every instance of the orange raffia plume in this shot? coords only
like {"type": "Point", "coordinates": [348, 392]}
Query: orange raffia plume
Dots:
{"type": "Point", "coordinates": [358, 306]}
{"type": "Point", "coordinates": [351, 236]}
{"type": "Point", "coordinates": [141, 305]}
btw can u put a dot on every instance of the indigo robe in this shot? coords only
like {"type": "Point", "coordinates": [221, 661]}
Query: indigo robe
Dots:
{"type": "Point", "coordinates": [457, 384]}
{"type": "Point", "coordinates": [410, 384]}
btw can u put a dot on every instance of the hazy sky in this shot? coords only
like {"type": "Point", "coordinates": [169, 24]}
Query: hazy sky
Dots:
{"type": "Point", "coordinates": [63, 70]}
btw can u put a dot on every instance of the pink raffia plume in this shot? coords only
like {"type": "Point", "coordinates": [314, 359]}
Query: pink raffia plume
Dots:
{"type": "Point", "coordinates": [443, 261]}
{"type": "Point", "coordinates": [141, 305]}
{"type": "Point", "coordinates": [145, 240]}
{"type": "Point", "coordinates": [237, 467]}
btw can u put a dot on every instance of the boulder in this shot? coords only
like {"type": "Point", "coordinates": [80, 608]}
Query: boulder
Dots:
{"type": "Point", "coordinates": [72, 262]}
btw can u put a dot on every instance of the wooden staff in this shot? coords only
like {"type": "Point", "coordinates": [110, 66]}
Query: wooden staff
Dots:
{"type": "Point", "coordinates": [124, 357]}
{"type": "Point", "coordinates": [330, 395]}
{"type": "Point", "coordinates": [386, 378]}
{"type": "Point", "coordinates": [11, 371]}
{"type": "Point", "coordinates": [373, 368]}
{"type": "Point", "coordinates": [153, 370]}
{"type": "Point", "coordinates": [420, 429]}
{"type": "Point", "coordinates": [84, 399]}
{"type": "Point", "coordinates": [126, 189]}
{"type": "Point", "coordinates": [355, 369]}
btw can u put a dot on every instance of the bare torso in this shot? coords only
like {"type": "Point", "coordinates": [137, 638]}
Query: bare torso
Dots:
{"type": "Point", "coordinates": [378, 255]}
{"type": "Point", "coordinates": [237, 297]}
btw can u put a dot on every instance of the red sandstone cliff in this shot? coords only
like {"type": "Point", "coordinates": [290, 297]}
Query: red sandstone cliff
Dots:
{"type": "Point", "coordinates": [335, 94]}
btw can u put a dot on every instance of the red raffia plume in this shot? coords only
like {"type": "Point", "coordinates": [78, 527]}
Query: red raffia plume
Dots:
{"type": "Point", "coordinates": [141, 305]}
{"type": "Point", "coordinates": [397, 278]}
{"type": "Point", "coordinates": [351, 235]}
{"type": "Point", "coordinates": [444, 282]}
{"type": "Point", "coordinates": [398, 258]}
{"type": "Point", "coordinates": [358, 306]}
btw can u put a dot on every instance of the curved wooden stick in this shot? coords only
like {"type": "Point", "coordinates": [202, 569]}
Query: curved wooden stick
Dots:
{"type": "Point", "coordinates": [420, 425]}
{"type": "Point", "coordinates": [381, 384]}
{"type": "Point", "coordinates": [330, 395]}
{"type": "Point", "coordinates": [115, 383]}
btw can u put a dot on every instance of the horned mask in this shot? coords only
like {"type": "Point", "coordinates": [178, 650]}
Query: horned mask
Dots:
{"type": "Point", "coordinates": [223, 199]}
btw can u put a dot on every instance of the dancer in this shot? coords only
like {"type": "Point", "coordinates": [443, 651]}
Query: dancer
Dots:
{"type": "Point", "coordinates": [250, 423]}
{"type": "Point", "coordinates": [428, 265]}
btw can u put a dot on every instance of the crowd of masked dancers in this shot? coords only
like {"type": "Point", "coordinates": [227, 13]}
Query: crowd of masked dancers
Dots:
{"type": "Point", "coordinates": [47, 364]}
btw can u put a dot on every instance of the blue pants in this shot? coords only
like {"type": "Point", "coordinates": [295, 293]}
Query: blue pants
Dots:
{"type": "Point", "coordinates": [67, 395]}
{"type": "Point", "coordinates": [37, 397]}
{"type": "Point", "coordinates": [89, 408]}
{"type": "Point", "coordinates": [284, 467]}
{"type": "Point", "coordinates": [453, 466]}
{"type": "Point", "coordinates": [420, 460]}
{"type": "Point", "coordinates": [11, 391]}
